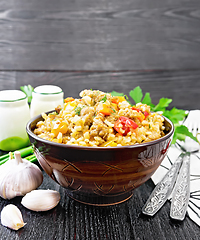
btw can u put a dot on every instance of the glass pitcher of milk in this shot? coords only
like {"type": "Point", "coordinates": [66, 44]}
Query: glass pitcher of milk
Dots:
{"type": "Point", "coordinates": [46, 98]}
{"type": "Point", "coordinates": [14, 115]}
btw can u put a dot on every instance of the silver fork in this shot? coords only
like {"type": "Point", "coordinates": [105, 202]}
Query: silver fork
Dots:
{"type": "Point", "coordinates": [164, 188]}
{"type": "Point", "coordinates": [181, 191]}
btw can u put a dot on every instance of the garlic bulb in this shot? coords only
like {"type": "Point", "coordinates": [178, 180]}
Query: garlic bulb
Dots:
{"type": "Point", "coordinates": [41, 200]}
{"type": "Point", "coordinates": [11, 217]}
{"type": "Point", "coordinates": [18, 176]}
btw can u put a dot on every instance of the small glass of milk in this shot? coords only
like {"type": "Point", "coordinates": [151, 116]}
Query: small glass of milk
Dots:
{"type": "Point", "coordinates": [46, 98]}
{"type": "Point", "coordinates": [14, 115]}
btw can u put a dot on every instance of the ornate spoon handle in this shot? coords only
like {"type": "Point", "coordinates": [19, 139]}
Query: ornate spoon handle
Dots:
{"type": "Point", "coordinates": [163, 189]}
{"type": "Point", "coordinates": [181, 192]}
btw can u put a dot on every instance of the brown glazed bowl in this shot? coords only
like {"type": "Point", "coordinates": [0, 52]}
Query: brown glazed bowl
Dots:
{"type": "Point", "coordinates": [100, 175]}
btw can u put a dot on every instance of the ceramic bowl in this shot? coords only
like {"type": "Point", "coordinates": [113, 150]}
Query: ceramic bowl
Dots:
{"type": "Point", "coordinates": [100, 175]}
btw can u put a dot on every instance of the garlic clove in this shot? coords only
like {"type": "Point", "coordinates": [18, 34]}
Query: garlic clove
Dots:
{"type": "Point", "coordinates": [19, 176]}
{"type": "Point", "coordinates": [11, 217]}
{"type": "Point", "coordinates": [41, 200]}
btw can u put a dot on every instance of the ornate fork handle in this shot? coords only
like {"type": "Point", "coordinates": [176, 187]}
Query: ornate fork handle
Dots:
{"type": "Point", "coordinates": [181, 192]}
{"type": "Point", "coordinates": [163, 189]}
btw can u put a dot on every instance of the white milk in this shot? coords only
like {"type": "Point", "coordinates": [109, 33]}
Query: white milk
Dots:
{"type": "Point", "coordinates": [14, 115]}
{"type": "Point", "coordinates": [46, 98]}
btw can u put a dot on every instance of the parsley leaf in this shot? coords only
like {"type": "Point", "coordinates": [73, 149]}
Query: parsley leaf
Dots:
{"type": "Point", "coordinates": [113, 93]}
{"type": "Point", "coordinates": [147, 99]}
{"type": "Point", "coordinates": [136, 94]}
{"type": "Point", "coordinates": [175, 115]}
{"type": "Point", "coordinates": [181, 132]}
{"type": "Point", "coordinates": [163, 103]}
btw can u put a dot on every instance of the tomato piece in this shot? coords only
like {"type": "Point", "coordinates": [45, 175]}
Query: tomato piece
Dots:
{"type": "Point", "coordinates": [121, 128]}
{"type": "Point", "coordinates": [129, 122]}
{"type": "Point", "coordinates": [146, 114]}
{"type": "Point", "coordinates": [124, 125]}
{"type": "Point", "coordinates": [136, 109]}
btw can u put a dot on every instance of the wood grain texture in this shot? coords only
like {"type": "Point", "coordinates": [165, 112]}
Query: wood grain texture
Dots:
{"type": "Point", "coordinates": [88, 35]}
{"type": "Point", "coordinates": [182, 86]}
{"type": "Point", "coordinates": [72, 220]}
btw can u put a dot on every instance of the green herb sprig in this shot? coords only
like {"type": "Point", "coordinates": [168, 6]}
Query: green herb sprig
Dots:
{"type": "Point", "coordinates": [78, 111]}
{"type": "Point", "coordinates": [26, 152]}
{"type": "Point", "coordinates": [104, 99]}
{"type": "Point", "coordinates": [175, 115]}
{"type": "Point", "coordinates": [27, 89]}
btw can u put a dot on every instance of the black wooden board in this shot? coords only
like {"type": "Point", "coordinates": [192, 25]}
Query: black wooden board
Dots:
{"type": "Point", "coordinates": [183, 87]}
{"type": "Point", "coordinates": [99, 35]}
{"type": "Point", "coordinates": [72, 220]}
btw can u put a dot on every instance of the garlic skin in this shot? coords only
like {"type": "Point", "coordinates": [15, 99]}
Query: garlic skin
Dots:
{"type": "Point", "coordinates": [11, 217]}
{"type": "Point", "coordinates": [19, 176]}
{"type": "Point", "coordinates": [41, 200]}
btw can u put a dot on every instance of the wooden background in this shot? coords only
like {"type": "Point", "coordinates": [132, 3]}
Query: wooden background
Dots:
{"type": "Point", "coordinates": [99, 35]}
{"type": "Point", "coordinates": [106, 45]}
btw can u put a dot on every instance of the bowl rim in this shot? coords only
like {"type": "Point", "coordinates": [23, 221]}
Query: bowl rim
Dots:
{"type": "Point", "coordinates": [137, 145]}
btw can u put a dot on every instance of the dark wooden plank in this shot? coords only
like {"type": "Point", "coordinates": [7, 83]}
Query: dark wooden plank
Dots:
{"type": "Point", "coordinates": [182, 86]}
{"type": "Point", "coordinates": [72, 220]}
{"type": "Point", "coordinates": [88, 35]}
